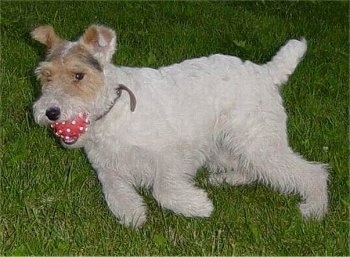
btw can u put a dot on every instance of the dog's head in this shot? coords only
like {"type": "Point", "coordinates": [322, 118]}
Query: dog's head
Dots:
{"type": "Point", "coordinates": [74, 92]}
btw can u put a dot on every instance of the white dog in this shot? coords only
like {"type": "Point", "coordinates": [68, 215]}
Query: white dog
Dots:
{"type": "Point", "coordinates": [216, 111]}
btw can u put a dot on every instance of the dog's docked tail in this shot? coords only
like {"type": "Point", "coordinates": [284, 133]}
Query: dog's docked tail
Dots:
{"type": "Point", "coordinates": [286, 60]}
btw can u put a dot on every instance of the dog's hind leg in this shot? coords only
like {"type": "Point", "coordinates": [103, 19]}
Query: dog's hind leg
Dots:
{"type": "Point", "coordinates": [275, 164]}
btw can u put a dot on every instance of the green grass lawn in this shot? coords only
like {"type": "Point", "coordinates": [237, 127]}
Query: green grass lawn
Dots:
{"type": "Point", "coordinates": [50, 199]}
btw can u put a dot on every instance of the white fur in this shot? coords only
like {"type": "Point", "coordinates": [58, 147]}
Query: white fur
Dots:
{"type": "Point", "coordinates": [217, 112]}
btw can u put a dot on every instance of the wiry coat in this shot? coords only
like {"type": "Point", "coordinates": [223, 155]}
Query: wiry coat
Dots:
{"type": "Point", "coordinates": [216, 111]}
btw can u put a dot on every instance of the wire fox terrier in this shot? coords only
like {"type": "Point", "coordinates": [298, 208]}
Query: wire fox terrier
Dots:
{"type": "Point", "coordinates": [218, 112]}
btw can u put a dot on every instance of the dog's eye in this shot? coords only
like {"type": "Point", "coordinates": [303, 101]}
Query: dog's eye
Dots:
{"type": "Point", "coordinates": [79, 75]}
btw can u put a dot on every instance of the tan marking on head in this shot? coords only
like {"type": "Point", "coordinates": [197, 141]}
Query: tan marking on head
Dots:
{"type": "Point", "coordinates": [73, 49]}
{"type": "Point", "coordinates": [60, 71]}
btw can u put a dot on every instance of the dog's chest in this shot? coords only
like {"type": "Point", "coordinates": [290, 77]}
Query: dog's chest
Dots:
{"type": "Point", "coordinates": [116, 156]}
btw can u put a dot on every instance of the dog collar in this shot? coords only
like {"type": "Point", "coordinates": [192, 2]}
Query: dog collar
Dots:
{"type": "Point", "coordinates": [118, 94]}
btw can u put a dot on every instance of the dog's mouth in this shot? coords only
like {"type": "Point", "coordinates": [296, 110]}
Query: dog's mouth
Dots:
{"type": "Point", "coordinates": [69, 131]}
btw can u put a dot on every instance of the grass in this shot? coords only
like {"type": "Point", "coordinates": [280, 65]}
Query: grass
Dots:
{"type": "Point", "coordinates": [51, 202]}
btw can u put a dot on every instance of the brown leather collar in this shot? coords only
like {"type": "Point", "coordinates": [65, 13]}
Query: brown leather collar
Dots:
{"type": "Point", "coordinates": [118, 94]}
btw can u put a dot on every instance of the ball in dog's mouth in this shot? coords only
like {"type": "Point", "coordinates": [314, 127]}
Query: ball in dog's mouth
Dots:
{"type": "Point", "coordinates": [69, 131]}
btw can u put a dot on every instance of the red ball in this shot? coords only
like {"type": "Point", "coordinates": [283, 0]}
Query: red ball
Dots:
{"type": "Point", "coordinates": [71, 130]}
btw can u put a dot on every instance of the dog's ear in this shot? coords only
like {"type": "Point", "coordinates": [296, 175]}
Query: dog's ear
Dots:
{"type": "Point", "coordinates": [100, 41]}
{"type": "Point", "coordinates": [47, 36]}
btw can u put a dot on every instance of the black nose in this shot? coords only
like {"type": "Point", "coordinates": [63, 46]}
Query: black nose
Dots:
{"type": "Point", "coordinates": [53, 113]}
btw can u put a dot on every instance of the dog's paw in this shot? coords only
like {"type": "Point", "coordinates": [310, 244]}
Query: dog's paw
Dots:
{"type": "Point", "coordinates": [134, 219]}
{"type": "Point", "coordinates": [193, 203]}
{"type": "Point", "coordinates": [131, 214]}
{"type": "Point", "coordinates": [312, 210]}
{"type": "Point", "coordinates": [202, 208]}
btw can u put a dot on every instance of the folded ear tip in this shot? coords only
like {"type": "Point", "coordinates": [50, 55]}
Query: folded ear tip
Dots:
{"type": "Point", "coordinates": [99, 40]}
{"type": "Point", "coordinates": [103, 30]}
{"type": "Point", "coordinates": [46, 35]}
{"type": "Point", "coordinates": [41, 29]}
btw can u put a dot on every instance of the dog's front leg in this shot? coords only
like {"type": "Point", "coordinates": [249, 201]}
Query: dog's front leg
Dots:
{"type": "Point", "coordinates": [123, 200]}
{"type": "Point", "coordinates": [174, 188]}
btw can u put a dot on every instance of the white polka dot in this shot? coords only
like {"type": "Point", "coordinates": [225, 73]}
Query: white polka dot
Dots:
{"type": "Point", "coordinates": [63, 122]}
{"type": "Point", "coordinates": [67, 137]}
{"type": "Point", "coordinates": [74, 122]}
{"type": "Point", "coordinates": [68, 130]}
{"type": "Point", "coordinates": [81, 128]}
{"type": "Point", "coordinates": [86, 129]}
{"type": "Point", "coordinates": [60, 131]}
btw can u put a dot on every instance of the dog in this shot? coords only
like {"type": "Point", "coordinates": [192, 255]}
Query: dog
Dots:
{"type": "Point", "coordinates": [153, 128]}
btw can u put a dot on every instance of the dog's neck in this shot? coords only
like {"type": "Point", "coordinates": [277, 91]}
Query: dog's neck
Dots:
{"type": "Point", "coordinates": [118, 93]}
